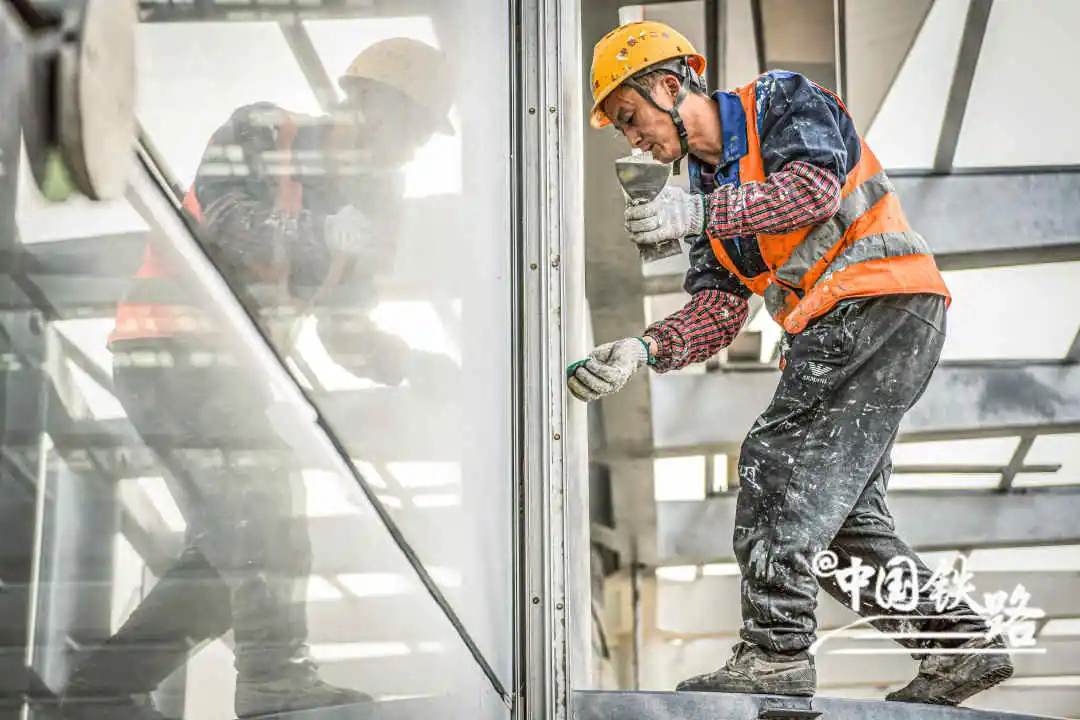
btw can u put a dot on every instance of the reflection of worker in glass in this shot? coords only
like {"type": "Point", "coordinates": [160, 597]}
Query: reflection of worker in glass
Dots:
{"type": "Point", "coordinates": [297, 212]}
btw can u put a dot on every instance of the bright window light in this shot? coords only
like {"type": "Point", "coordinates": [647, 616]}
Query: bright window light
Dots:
{"type": "Point", "coordinates": [370, 474]}
{"type": "Point", "coordinates": [720, 473]}
{"type": "Point", "coordinates": [677, 573]}
{"type": "Point", "coordinates": [720, 570]}
{"type": "Point", "coordinates": [418, 324]}
{"type": "Point", "coordinates": [771, 333]}
{"type": "Point", "coordinates": [944, 481]}
{"type": "Point", "coordinates": [1042, 328]}
{"type": "Point", "coordinates": [337, 42]}
{"type": "Point", "coordinates": [425, 474]}
{"type": "Point", "coordinates": [447, 577]}
{"type": "Point", "coordinates": [326, 494]}
{"type": "Point", "coordinates": [99, 402]}
{"type": "Point", "coordinates": [1061, 450]}
{"type": "Point", "coordinates": [320, 589]}
{"type": "Point", "coordinates": [939, 558]}
{"type": "Point", "coordinates": [442, 152]}
{"type": "Point", "coordinates": [209, 678]}
{"type": "Point", "coordinates": [436, 500]}
{"type": "Point", "coordinates": [900, 138]}
{"type": "Point", "coordinates": [679, 478]}
{"type": "Point", "coordinates": [430, 647]}
{"type": "Point", "coordinates": [403, 697]}
{"type": "Point", "coordinates": [1061, 627]}
{"type": "Point", "coordinates": [376, 584]}
{"type": "Point", "coordinates": [390, 501]}
{"type": "Point", "coordinates": [1023, 49]}
{"type": "Point", "coordinates": [329, 652]}
{"type": "Point", "coordinates": [227, 65]}
{"type": "Point", "coordinates": [127, 567]}
{"type": "Point", "coordinates": [91, 336]}
{"type": "Point", "coordinates": [157, 490]}
{"type": "Point", "coordinates": [1043, 681]}
{"type": "Point", "coordinates": [1042, 558]}
{"type": "Point", "coordinates": [332, 376]}
{"type": "Point", "coordinates": [979, 451]}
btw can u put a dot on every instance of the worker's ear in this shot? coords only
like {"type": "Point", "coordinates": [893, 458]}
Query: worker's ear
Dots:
{"type": "Point", "coordinates": [669, 85]}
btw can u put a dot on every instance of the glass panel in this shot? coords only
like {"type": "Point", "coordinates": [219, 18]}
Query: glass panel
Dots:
{"type": "Point", "coordinates": [350, 174]}
{"type": "Point", "coordinates": [179, 530]}
{"type": "Point", "coordinates": [174, 512]}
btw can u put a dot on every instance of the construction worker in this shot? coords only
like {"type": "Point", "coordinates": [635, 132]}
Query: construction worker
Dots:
{"type": "Point", "coordinates": [788, 202]}
{"type": "Point", "coordinates": [299, 214]}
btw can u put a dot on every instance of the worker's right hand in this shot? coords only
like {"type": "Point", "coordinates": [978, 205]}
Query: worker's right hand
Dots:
{"type": "Point", "coordinates": [350, 232]}
{"type": "Point", "coordinates": [607, 368]}
{"type": "Point", "coordinates": [671, 215]}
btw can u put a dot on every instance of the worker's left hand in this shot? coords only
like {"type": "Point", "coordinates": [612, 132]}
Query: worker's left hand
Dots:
{"type": "Point", "coordinates": [607, 368]}
{"type": "Point", "coordinates": [671, 215]}
{"type": "Point", "coordinates": [349, 231]}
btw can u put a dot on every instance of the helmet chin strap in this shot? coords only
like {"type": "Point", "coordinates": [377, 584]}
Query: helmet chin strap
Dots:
{"type": "Point", "coordinates": [673, 113]}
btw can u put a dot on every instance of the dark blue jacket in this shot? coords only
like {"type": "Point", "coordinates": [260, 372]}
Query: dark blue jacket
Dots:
{"type": "Point", "coordinates": [795, 121]}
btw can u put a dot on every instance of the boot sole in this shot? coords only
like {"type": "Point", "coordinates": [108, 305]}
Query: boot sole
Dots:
{"type": "Point", "coordinates": [789, 691]}
{"type": "Point", "coordinates": [962, 692]}
{"type": "Point", "coordinates": [987, 681]}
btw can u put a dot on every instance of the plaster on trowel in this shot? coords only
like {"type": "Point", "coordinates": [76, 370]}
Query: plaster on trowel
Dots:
{"type": "Point", "coordinates": [642, 179]}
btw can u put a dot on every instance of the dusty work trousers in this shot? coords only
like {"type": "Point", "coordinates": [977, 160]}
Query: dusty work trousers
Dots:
{"type": "Point", "coordinates": [815, 467]}
{"type": "Point", "coordinates": [247, 554]}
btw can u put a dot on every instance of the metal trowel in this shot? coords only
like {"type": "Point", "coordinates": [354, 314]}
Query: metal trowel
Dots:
{"type": "Point", "coordinates": [642, 178]}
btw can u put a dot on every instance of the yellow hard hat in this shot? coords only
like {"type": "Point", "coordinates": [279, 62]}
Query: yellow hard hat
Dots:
{"type": "Point", "coordinates": [630, 49]}
{"type": "Point", "coordinates": [417, 70]}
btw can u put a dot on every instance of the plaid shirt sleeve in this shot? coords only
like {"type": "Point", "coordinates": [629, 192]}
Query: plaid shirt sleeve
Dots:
{"type": "Point", "coordinates": [798, 195]}
{"type": "Point", "coordinates": [795, 196]}
{"type": "Point", "coordinates": [705, 325]}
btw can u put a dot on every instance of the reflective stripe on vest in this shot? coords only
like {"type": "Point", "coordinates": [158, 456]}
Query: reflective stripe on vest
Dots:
{"type": "Point", "coordinates": [866, 248]}
{"type": "Point", "coordinates": [824, 237]}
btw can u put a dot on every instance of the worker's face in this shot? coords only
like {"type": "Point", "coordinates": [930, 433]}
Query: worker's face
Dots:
{"type": "Point", "coordinates": [385, 122]}
{"type": "Point", "coordinates": [643, 125]}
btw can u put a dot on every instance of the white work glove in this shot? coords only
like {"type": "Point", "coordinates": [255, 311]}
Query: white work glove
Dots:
{"type": "Point", "coordinates": [671, 215]}
{"type": "Point", "coordinates": [349, 231]}
{"type": "Point", "coordinates": [607, 368]}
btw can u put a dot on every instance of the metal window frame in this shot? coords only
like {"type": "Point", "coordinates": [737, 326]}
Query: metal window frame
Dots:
{"type": "Point", "coordinates": [553, 606]}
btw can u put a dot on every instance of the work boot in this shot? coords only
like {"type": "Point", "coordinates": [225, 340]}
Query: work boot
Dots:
{"type": "Point", "coordinates": [952, 679]}
{"type": "Point", "coordinates": [300, 691]}
{"type": "Point", "coordinates": [753, 669]}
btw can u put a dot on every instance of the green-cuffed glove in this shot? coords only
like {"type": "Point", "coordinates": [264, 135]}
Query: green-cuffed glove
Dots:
{"type": "Point", "coordinates": [607, 368]}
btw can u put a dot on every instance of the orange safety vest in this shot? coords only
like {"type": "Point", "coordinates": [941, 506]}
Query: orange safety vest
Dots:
{"type": "Point", "coordinates": [155, 306]}
{"type": "Point", "coordinates": [865, 249]}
